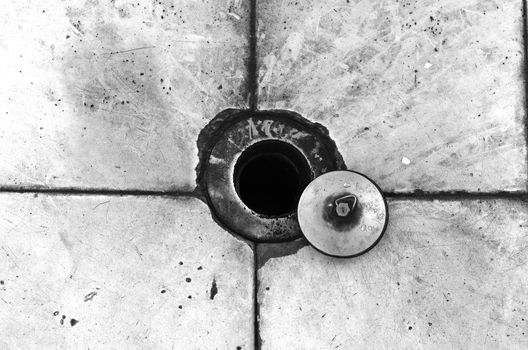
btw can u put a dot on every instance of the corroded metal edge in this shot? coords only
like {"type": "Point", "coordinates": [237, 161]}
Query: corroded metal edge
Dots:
{"type": "Point", "coordinates": [223, 137]}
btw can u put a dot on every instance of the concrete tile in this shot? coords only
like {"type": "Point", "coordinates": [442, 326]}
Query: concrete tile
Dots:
{"type": "Point", "coordinates": [114, 94]}
{"type": "Point", "coordinates": [135, 272]}
{"type": "Point", "coordinates": [419, 95]}
{"type": "Point", "coordinates": [446, 275]}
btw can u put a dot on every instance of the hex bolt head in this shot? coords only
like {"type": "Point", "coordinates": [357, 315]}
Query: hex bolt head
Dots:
{"type": "Point", "coordinates": [345, 205]}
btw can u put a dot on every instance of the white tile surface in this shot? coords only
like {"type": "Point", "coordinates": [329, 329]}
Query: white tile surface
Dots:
{"type": "Point", "coordinates": [113, 94]}
{"type": "Point", "coordinates": [446, 275]}
{"type": "Point", "coordinates": [439, 83]}
{"type": "Point", "coordinates": [136, 273]}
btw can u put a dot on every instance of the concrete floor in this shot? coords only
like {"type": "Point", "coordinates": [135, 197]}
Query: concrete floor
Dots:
{"type": "Point", "coordinates": [105, 244]}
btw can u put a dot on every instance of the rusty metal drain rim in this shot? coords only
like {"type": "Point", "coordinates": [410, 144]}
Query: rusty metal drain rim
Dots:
{"type": "Point", "coordinates": [235, 131]}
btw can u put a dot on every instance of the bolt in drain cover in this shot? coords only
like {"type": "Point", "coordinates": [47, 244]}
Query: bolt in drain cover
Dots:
{"type": "Point", "coordinates": [342, 214]}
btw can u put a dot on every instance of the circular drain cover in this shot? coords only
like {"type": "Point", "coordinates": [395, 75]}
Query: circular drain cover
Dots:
{"type": "Point", "coordinates": [342, 214]}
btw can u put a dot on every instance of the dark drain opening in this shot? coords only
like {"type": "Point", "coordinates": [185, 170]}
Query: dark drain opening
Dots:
{"type": "Point", "coordinates": [270, 177]}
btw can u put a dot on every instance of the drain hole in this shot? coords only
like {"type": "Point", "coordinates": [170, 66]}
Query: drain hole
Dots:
{"type": "Point", "coordinates": [270, 177]}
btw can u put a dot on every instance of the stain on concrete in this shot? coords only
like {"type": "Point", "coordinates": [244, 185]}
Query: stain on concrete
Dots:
{"type": "Point", "coordinates": [267, 251]}
{"type": "Point", "coordinates": [214, 289]}
{"type": "Point", "coordinates": [90, 296]}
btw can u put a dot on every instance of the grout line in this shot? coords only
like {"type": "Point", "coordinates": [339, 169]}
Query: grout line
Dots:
{"type": "Point", "coordinates": [524, 27]}
{"type": "Point", "coordinates": [94, 192]}
{"type": "Point", "coordinates": [252, 60]}
{"type": "Point", "coordinates": [418, 195]}
{"type": "Point", "coordinates": [256, 305]}
{"type": "Point", "coordinates": [457, 195]}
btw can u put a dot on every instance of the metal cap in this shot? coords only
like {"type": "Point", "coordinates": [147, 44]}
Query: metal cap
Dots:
{"type": "Point", "coordinates": [342, 214]}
